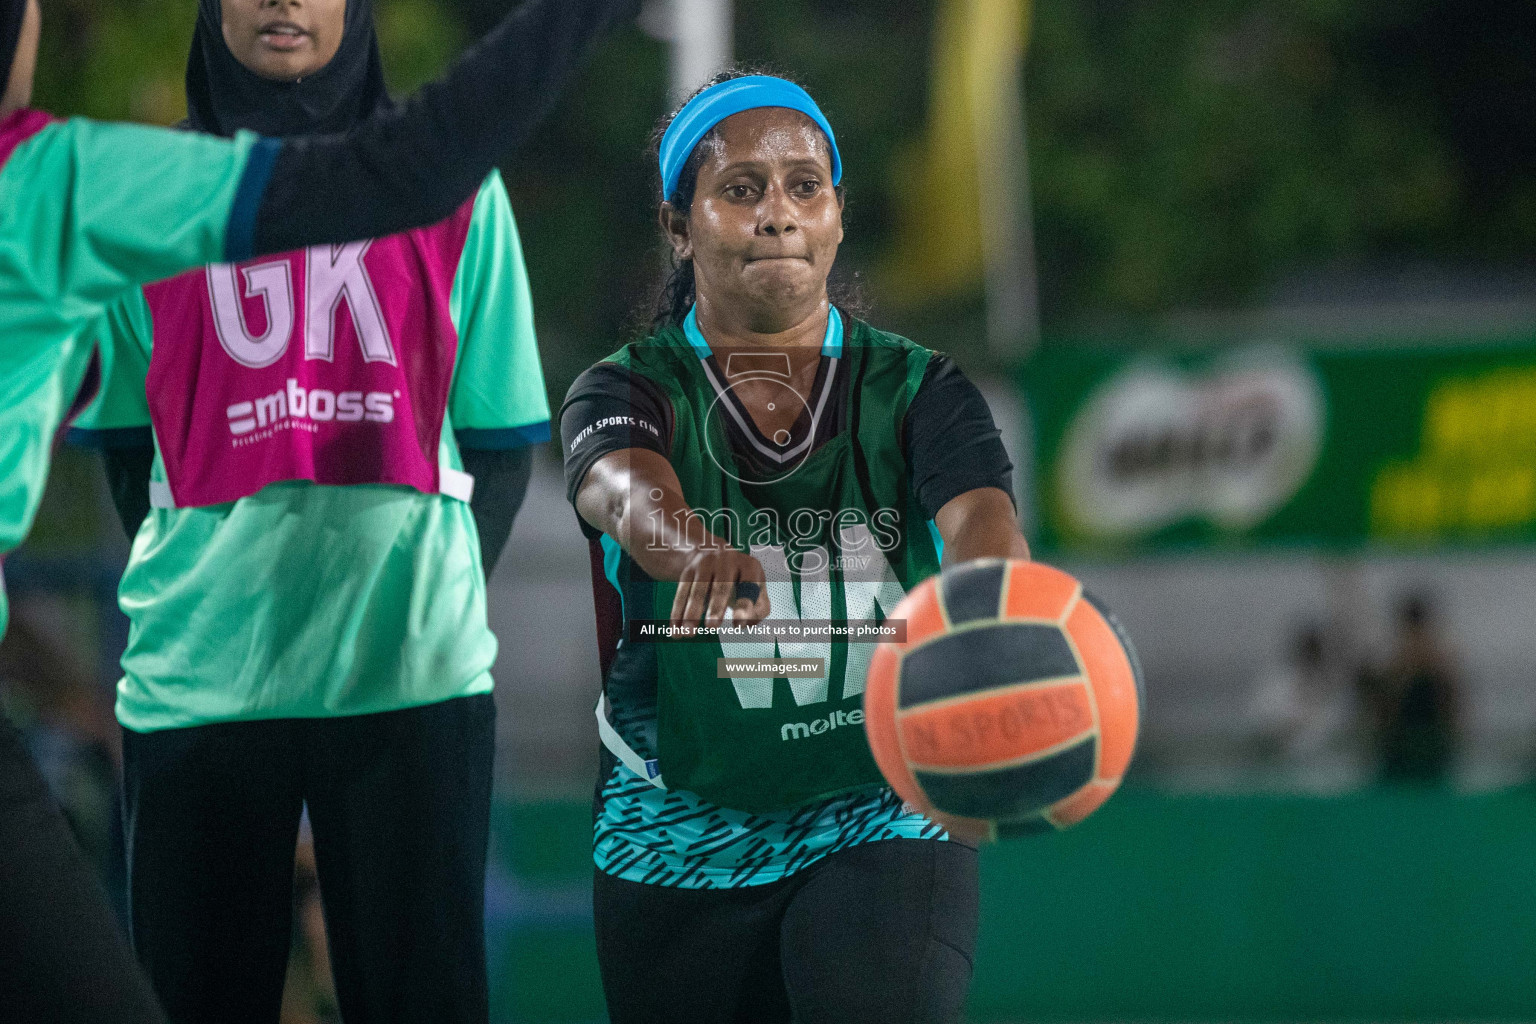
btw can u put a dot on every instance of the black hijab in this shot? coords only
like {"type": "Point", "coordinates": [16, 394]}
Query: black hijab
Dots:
{"type": "Point", "coordinates": [224, 96]}
{"type": "Point", "coordinates": [11, 12]}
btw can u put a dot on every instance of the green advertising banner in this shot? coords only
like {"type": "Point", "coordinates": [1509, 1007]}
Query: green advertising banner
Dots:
{"type": "Point", "coordinates": [1283, 445]}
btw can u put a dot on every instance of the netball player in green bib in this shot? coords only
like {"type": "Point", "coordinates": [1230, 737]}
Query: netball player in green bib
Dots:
{"type": "Point", "coordinates": [768, 457]}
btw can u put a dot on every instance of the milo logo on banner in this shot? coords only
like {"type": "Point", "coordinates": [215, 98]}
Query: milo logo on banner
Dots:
{"type": "Point", "coordinates": [1156, 445]}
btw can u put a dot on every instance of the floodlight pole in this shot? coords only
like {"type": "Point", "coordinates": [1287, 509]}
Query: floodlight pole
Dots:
{"type": "Point", "coordinates": [1007, 224]}
{"type": "Point", "coordinates": [701, 37]}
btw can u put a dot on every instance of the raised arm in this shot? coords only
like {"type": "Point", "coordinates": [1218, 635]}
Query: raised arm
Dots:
{"type": "Point", "coordinates": [416, 164]}
{"type": "Point", "coordinates": [99, 208]}
{"type": "Point", "coordinates": [633, 495]}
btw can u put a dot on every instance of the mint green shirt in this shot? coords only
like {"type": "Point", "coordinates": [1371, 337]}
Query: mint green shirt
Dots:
{"type": "Point", "coordinates": [87, 212]}
{"type": "Point", "coordinates": [307, 600]}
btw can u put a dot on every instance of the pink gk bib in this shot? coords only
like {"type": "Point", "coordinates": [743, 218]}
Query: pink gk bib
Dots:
{"type": "Point", "coordinates": [331, 365]}
{"type": "Point", "coordinates": [18, 127]}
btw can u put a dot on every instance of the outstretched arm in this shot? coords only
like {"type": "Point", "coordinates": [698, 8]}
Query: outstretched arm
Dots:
{"type": "Point", "coordinates": [633, 495]}
{"type": "Point", "coordinates": [980, 523]}
{"type": "Point", "coordinates": [99, 208]}
{"type": "Point", "coordinates": [960, 473]}
{"type": "Point", "coordinates": [416, 164]}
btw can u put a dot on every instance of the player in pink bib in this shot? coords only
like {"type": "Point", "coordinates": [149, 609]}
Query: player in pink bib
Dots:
{"type": "Point", "coordinates": [331, 365]}
{"type": "Point", "coordinates": [318, 455]}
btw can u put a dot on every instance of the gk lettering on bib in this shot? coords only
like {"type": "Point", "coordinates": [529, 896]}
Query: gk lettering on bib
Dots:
{"type": "Point", "coordinates": [331, 365]}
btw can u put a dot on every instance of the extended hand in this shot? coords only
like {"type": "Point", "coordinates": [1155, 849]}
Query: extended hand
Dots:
{"type": "Point", "coordinates": [707, 587]}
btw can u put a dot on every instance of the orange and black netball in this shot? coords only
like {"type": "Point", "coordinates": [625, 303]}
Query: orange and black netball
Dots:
{"type": "Point", "coordinates": [1014, 701]}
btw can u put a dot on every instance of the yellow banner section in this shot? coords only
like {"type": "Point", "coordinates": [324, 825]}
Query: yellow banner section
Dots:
{"type": "Point", "coordinates": [959, 186]}
{"type": "Point", "coordinates": [1474, 470]}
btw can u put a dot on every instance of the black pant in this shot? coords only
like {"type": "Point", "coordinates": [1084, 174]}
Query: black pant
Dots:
{"type": "Point", "coordinates": [63, 957]}
{"type": "Point", "coordinates": [400, 807]}
{"type": "Point", "coordinates": [881, 933]}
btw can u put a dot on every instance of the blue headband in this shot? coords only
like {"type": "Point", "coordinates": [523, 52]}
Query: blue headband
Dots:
{"type": "Point", "coordinates": [719, 102]}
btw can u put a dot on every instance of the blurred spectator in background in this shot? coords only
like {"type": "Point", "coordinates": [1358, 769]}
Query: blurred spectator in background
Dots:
{"type": "Point", "coordinates": [1415, 699]}
{"type": "Point", "coordinates": [1302, 707]}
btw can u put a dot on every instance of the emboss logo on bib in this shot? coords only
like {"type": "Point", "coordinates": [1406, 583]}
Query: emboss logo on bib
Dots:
{"type": "Point", "coordinates": [314, 404]}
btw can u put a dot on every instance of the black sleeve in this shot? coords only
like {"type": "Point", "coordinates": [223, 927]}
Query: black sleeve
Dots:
{"type": "Point", "coordinates": [952, 444]}
{"type": "Point", "coordinates": [501, 482]}
{"type": "Point", "coordinates": [127, 466]}
{"type": "Point", "coordinates": [608, 409]}
{"type": "Point", "coordinates": [417, 163]}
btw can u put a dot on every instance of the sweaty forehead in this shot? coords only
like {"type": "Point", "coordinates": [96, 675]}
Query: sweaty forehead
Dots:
{"type": "Point", "coordinates": [769, 134]}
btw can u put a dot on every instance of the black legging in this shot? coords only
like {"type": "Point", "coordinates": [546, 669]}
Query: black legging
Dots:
{"type": "Point", "coordinates": [883, 932]}
{"type": "Point", "coordinates": [400, 804]}
{"type": "Point", "coordinates": [62, 956]}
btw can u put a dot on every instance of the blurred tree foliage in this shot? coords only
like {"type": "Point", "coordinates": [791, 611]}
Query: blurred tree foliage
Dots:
{"type": "Point", "coordinates": [1180, 154]}
{"type": "Point", "coordinates": [1187, 154]}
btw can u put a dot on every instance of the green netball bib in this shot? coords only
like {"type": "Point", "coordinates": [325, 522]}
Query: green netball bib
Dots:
{"type": "Point", "coordinates": [829, 512]}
